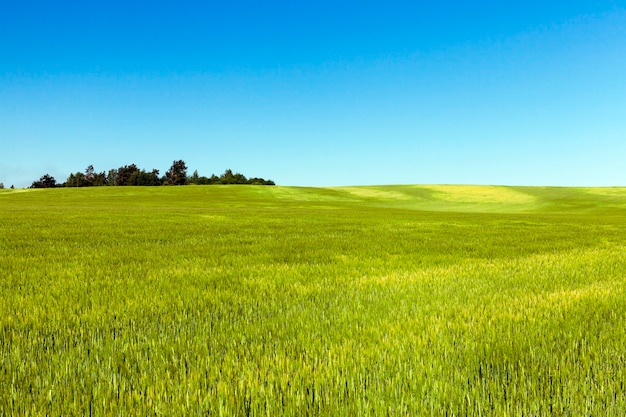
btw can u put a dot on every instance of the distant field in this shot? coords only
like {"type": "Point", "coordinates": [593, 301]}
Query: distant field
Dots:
{"type": "Point", "coordinates": [344, 301]}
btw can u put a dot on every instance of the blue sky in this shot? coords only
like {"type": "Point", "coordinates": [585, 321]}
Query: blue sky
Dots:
{"type": "Point", "coordinates": [317, 93]}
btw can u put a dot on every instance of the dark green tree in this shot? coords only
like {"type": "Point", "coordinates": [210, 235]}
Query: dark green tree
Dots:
{"type": "Point", "coordinates": [194, 178]}
{"type": "Point", "coordinates": [87, 179]}
{"type": "Point", "coordinates": [125, 175]}
{"type": "Point", "coordinates": [75, 180]}
{"type": "Point", "coordinates": [227, 177]}
{"type": "Point", "coordinates": [89, 176]}
{"type": "Point", "coordinates": [203, 181]}
{"type": "Point", "coordinates": [99, 179]}
{"type": "Point", "coordinates": [46, 181]}
{"type": "Point", "coordinates": [111, 177]}
{"type": "Point", "coordinates": [260, 181]}
{"type": "Point", "coordinates": [143, 178]}
{"type": "Point", "coordinates": [177, 174]}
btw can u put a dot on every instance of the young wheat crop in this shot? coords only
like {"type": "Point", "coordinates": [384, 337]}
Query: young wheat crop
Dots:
{"type": "Point", "coordinates": [366, 301]}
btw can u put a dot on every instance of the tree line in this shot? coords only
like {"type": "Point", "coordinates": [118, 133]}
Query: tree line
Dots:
{"type": "Point", "coordinates": [131, 175]}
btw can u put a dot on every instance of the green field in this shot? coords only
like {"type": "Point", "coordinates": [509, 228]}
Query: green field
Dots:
{"type": "Point", "coordinates": [348, 301]}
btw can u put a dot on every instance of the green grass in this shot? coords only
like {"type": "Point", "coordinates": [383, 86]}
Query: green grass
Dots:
{"type": "Point", "coordinates": [346, 301]}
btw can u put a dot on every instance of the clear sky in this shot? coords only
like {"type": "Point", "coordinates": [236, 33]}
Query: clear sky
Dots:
{"type": "Point", "coordinates": [317, 93]}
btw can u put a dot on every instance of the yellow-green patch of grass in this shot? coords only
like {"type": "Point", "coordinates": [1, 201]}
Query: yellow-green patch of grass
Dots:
{"type": "Point", "coordinates": [607, 191]}
{"type": "Point", "coordinates": [488, 194]}
{"type": "Point", "coordinates": [387, 194]}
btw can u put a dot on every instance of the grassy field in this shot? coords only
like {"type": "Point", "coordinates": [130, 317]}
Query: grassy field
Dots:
{"type": "Point", "coordinates": [348, 301]}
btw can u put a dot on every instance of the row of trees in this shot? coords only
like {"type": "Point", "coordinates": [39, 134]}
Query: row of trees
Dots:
{"type": "Point", "coordinates": [132, 175]}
